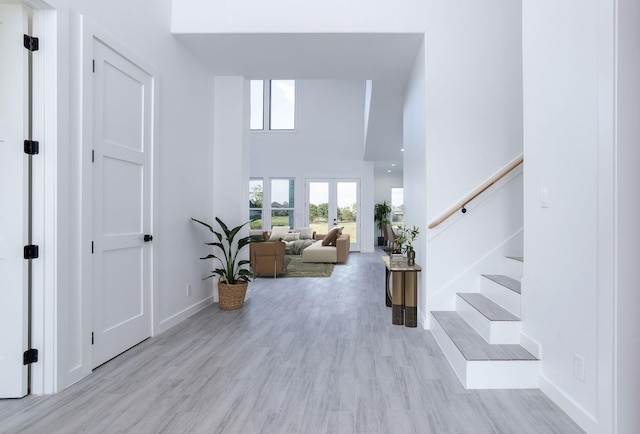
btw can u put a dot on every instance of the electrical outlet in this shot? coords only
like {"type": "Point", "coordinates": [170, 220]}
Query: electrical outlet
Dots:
{"type": "Point", "coordinates": [188, 290]}
{"type": "Point", "coordinates": [578, 367]}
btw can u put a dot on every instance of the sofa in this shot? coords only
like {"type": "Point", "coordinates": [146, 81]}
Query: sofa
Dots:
{"type": "Point", "coordinates": [338, 253]}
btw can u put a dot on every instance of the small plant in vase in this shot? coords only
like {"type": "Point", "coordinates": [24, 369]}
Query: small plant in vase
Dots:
{"type": "Point", "coordinates": [233, 277]}
{"type": "Point", "coordinates": [405, 240]}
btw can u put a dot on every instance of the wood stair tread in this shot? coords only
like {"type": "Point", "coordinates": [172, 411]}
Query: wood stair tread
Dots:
{"type": "Point", "coordinates": [472, 346]}
{"type": "Point", "coordinates": [491, 310]}
{"type": "Point", "coordinates": [506, 281]}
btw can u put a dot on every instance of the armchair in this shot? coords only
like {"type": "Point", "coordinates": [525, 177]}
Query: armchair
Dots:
{"type": "Point", "coordinates": [268, 258]}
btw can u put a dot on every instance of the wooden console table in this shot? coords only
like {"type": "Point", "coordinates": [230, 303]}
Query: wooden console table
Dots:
{"type": "Point", "coordinates": [402, 297]}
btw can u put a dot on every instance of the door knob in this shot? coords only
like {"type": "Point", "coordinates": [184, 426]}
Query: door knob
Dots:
{"type": "Point", "coordinates": [148, 238]}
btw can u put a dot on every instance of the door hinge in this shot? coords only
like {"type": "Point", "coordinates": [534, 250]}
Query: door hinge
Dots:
{"type": "Point", "coordinates": [30, 43]}
{"type": "Point", "coordinates": [92, 247]}
{"type": "Point", "coordinates": [93, 65]}
{"type": "Point", "coordinates": [31, 147]}
{"type": "Point", "coordinates": [93, 156]}
{"type": "Point", "coordinates": [30, 356]}
{"type": "Point", "coordinates": [30, 251]}
{"type": "Point", "coordinates": [92, 341]}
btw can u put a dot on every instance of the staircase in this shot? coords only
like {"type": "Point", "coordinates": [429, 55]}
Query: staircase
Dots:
{"type": "Point", "coordinates": [481, 338]}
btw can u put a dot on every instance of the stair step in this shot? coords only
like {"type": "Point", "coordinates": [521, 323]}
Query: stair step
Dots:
{"type": "Point", "coordinates": [478, 364]}
{"type": "Point", "coordinates": [492, 311]}
{"type": "Point", "coordinates": [472, 346]}
{"type": "Point", "coordinates": [506, 281]}
{"type": "Point", "coordinates": [517, 258]}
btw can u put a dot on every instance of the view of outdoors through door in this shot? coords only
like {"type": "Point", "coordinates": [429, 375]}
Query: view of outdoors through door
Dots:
{"type": "Point", "coordinates": [334, 203]}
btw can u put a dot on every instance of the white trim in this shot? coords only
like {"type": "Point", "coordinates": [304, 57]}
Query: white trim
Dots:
{"type": "Point", "coordinates": [182, 315]}
{"type": "Point", "coordinates": [586, 421]}
{"type": "Point", "coordinates": [530, 345]}
{"type": "Point", "coordinates": [45, 204]}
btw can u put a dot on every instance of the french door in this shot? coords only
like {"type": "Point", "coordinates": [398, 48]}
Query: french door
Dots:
{"type": "Point", "coordinates": [334, 202]}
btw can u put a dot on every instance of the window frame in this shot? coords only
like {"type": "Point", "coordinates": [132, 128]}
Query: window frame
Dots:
{"type": "Point", "coordinates": [266, 108]}
{"type": "Point", "coordinates": [290, 209]}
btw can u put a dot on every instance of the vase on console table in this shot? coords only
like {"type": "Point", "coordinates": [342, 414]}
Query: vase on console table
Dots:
{"type": "Point", "coordinates": [411, 258]}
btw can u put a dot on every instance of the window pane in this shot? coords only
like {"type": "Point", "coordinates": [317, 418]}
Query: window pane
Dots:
{"type": "Point", "coordinates": [255, 203]}
{"type": "Point", "coordinates": [397, 205]}
{"type": "Point", "coordinates": [282, 192]}
{"type": "Point", "coordinates": [257, 105]}
{"type": "Point", "coordinates": [283, 100]}
{"type": "Point", "coordinates": [256, 216]}
{"type": "Point", "coordinates": [282, 217]}
{"type": "Point", "coordinates": [255, 193]}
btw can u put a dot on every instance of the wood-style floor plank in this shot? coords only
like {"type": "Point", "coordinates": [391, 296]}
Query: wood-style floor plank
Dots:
{"type": "Point", "coordinates": [302, 356]}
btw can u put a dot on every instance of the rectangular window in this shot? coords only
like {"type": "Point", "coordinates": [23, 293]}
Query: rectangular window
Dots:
{"type": "Point", "coordinates": [257, 105]}
{"type": "Point", "coordinates": [397, 206]}
{"type": "Point", "coordinates": [282, 202]}
{"type": "Point", "coordinates": [256, 194]}
{"type": "Point", "coordinates": [282, 107]}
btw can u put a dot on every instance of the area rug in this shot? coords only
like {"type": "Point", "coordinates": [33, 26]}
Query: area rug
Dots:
{"type": "Point", "coordinates": [297, 268]}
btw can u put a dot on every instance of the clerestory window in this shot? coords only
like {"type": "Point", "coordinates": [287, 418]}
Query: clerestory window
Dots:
{"type": "Point", "coordinates": [273, 103]}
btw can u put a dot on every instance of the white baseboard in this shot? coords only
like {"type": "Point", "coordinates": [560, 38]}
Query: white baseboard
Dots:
{"type": "Point", "coordinates": [566, 404]}
{"type": "Point", "coordinates": [166, 324]}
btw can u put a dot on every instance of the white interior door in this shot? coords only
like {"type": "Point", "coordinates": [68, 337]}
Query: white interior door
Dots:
{"type": "Point", "coordinates": [122, 123]}
{"type": "Point", "coordinates": [13, 202]}
{"type": "Point", "coordinates": [335, 202]}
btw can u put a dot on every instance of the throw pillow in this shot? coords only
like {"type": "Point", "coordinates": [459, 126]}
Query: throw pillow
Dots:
{"type": "Point", "coordinates": [291, 236]}
{"type": "Point", "coordinates": [332, 236]}
{"type": "Point", "coordinates": [305, 233]}
{"type": "Point", "coordinates": [278, 233]}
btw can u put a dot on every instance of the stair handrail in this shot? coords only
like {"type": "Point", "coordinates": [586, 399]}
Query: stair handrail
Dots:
{"type": "Point", "coordinates": [477, 192]}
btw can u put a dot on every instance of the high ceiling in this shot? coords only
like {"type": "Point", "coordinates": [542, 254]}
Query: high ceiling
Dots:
{"type": "Point", "coordinates": [386, 59]}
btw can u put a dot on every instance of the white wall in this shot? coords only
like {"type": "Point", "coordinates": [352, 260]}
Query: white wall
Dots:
{"type": "Point", "coordinates": [415, 172]}
{"type": "Point", "coordinates": [628, 209]}
{"type": "Point", "coordinates": [231, 157]}
{"type": "Point", "coordinates": [183, 176]}
{"type": "Point", "coordinates": [327, 143]}
{"type": "Point", "coordinates": [473, 94]}
{"type": "Point", "coordinates": [565, 118]}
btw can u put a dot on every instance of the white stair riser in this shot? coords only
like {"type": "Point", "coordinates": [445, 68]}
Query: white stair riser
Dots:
{"type": "Point", "coordinates": [451, 352]}
{"type": "Point", "coordinates": [486, 374]}
{"type": "Point", "coordinates": [501, 295]}
{"type": "Point", "coordinates": [513, 268]}
{"type": "Point", "coordinates": [494, 332]}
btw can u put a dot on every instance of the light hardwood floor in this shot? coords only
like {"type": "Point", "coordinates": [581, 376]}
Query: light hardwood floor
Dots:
{"type": "Point", "coordinates": [302, 356]}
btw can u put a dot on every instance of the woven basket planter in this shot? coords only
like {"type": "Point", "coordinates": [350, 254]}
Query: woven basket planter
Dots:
{"type": "Point", "coordinates": [231, 296]}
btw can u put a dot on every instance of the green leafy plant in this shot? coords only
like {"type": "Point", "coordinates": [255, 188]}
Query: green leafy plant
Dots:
{"type": "Point", "coordinates": [231, 269]}
{"type": "Point", "coordinates": [406, 237]}
{"type": "Point", "coordinates": [381, 213]}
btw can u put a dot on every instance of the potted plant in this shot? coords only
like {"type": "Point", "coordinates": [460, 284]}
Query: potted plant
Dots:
{"type": "Point", "coordinates": [233, 276]}
{"type": "Point", "coordinates": [405, 240]}
{"type": "Point", "coordinates": [381, 213]}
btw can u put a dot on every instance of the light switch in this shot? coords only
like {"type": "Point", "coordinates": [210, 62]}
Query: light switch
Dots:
{"type": "Point", "coordinates": [544, 198]}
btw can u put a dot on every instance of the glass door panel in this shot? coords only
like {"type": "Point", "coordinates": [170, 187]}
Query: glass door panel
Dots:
{"type": "Point", "coordinates": [318, 199]}
{"type": "Point", "coordinates": [347, 209]}
{"type": "Point", "coordinates": [334, 203]}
